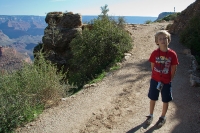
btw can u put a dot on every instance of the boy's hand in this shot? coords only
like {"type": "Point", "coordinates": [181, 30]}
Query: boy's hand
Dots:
{"type": "Point", "coordinates": [173, 71]}
{"type": "Point", "coordinates": [152, 66]}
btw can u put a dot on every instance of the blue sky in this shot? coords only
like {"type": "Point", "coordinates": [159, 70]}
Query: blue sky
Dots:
{"type": "Point", "coordinates": [92, 7]}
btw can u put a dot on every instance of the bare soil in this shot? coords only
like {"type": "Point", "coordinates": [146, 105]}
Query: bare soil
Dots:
{"type": "Point", "coordinates": [119, 103]}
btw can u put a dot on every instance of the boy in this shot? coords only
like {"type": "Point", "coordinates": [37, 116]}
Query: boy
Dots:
{"type": "Point", "coordinates": [164, 63]}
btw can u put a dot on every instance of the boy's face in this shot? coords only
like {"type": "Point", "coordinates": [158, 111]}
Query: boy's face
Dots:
{"type": "Point", "coordinates": [162, 40]}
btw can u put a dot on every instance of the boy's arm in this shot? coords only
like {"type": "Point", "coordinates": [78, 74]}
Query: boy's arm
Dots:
{"type": "Point", "coordinates": [152, 65]}
{"type": "Point", "coordinates": [173, 71]}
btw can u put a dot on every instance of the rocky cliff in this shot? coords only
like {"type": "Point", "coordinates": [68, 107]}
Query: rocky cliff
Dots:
{"type": "Point", "coordinates": [61, 29]}
{"type": "Point", "coordinates": [19, 25]}
{"type": "Point", "coordinates": [182, 20]}
{"type": "Point", "coordinates": [4, 39]}
{"type": "Point", "coordinates": [11, 60]}
{"type": "Point", "coordinates": [163, 14]}
{"type": "Point", "coordinates": [22, 32]}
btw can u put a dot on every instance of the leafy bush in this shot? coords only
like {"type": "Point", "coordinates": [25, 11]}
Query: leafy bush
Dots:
{"type": "Point", "coordinates": [94, 50]}
{"type": "Point", "coordinates": [190, 36]}
{"type": "Point", "coordinates": [25, 93]}
{"type": "Point", "coordinates": [148, 22]}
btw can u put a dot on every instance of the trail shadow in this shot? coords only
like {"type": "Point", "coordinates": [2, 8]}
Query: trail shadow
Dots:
{"type": "Point", "coordinates": [142, 125]}
{"type": "Point", "coordinates": [186, 98]}
{"type": "Point", "coordinates": [153, 128]}
{"type": "Point", "coordinates": [143, 66]}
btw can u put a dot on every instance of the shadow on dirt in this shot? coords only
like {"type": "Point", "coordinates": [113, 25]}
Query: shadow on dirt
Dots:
{"type": "Point", "coordinates": [142, 126]}
{"type": "Point", "coordinates": [144, 67]}
{"type": "Point", "coordinates": [186, 98]}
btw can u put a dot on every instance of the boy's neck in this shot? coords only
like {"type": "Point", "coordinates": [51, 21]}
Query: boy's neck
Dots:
{"type": "Point", "coordinates": [164, 49]}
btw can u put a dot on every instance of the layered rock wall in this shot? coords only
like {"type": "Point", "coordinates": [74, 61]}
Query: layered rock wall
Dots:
{"type": "Point", "coordinates": [15, 26]}
{"type": "Point", "coordinates": [1, 51]}
{"type": "Point", "coordinates": [11, 60]}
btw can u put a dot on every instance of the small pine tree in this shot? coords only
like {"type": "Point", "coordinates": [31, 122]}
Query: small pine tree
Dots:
{"type": "Point", "coordinates": [54, 32]}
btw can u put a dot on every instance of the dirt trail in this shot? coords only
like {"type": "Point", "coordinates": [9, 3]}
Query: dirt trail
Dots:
{"type": "Point", "coordinates": [119, 103]}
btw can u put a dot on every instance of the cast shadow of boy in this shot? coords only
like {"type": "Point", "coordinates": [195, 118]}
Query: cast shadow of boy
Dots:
{"type": "Point", "coordinates": [144, 126]}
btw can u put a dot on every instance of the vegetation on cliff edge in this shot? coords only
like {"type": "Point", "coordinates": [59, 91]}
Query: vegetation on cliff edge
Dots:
{"type": "Point", "coordinates": [97, 48]}
{"type": "Point", "coordinates": [26, 92]}
{"type": "Point", "coordinates": [190, 37]}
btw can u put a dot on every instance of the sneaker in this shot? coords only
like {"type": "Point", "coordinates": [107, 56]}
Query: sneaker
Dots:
{"type": "Point", "coordinates": [160, 122]}
{"type": "Point", "coordinates": [149, 120]}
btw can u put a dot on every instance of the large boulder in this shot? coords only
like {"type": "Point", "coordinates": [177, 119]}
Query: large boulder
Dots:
{"type": "Point", "coordinates": [60, 39]}
{"type": "Point", "coordinates": [64, 20]}
{"type": "Point", "coordinates": [61, 29]}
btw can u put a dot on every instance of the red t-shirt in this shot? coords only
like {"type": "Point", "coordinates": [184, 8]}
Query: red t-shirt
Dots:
{"type": "Point", "coordinates": [162, 64]}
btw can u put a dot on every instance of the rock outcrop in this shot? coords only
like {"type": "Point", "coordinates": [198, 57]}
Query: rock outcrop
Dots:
{"type": "Point", "coordinates": [61, 29]}
{"type": "Point", "coordinates": [183, 19]}
{"type": "Point", "coordinates": [180, 23]}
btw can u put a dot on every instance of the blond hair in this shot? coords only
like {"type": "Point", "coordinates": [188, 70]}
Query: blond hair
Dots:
{"type": "Point", "coordinates": [163, 32]}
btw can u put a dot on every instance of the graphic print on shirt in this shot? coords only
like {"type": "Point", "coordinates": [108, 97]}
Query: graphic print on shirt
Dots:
{"type": "Point", "coordinates": [162, 64]}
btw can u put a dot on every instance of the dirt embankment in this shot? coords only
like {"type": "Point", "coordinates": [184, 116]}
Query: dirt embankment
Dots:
{"type": "Point", "coordinates": [119, 103]}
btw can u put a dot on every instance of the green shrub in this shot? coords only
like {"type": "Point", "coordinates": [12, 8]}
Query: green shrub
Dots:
{"type": "Point", "coordinates": [94, 50]}
{"type": "Point", "coordinates": [25, 93]}
{"type": "Point", "coordinates": [148, 22]}
{"type": "Point", "coordinates": [169, 17]}
{"type": "Point", "coordinates": [190, 36]}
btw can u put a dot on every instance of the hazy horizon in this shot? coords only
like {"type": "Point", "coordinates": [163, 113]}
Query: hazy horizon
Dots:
{"type": "Point", "coordinates": [149, 8]}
